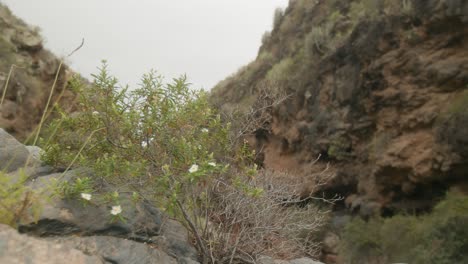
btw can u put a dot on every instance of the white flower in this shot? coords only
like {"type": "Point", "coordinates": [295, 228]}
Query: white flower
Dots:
{"type": "Point", "coordinates": [95, 113]}
{"type": "Point", "coordinates": [205, 130]}
{"type": "Point", "coordinates": [116, 210]}
{"type": "Point", "coordinates": [86, 196]}
{"type": "Point", "coordinates": [144, 144]}
{"type": "Point", "coordinates": [194, 168]}
{"type": "Point", "coordinates": [212, 164]}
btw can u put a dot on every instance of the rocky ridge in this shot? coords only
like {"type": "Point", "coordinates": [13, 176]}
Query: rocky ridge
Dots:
{"type": "Point", "coordinates": [33, 72]}
{"type": "Point", "coordinates": [379, 92]}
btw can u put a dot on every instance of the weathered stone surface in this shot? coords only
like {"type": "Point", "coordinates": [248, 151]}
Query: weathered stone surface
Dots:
{"type": "Point", "coordinates": [35, 153]}
{"type": "Point", "coordinates": [269, 260]}
{"type": "Point", "coordinates": [117, 250]}
{"type": "Point", "coordinates": [28, 40]}
{"type": "Point", "coordinates": [304, 261]}
{"type": "Point", "coordinates": [30, 82]}
{"type": "Point", "coordinates": [73, 216]}
{"type": "Point", "coordinates": [174, 240]}
{"type": "Point", "coordinates": [13, 154]}
{"type": "Point", "coordinates": [145, 235]}
{"type": "Point", "coordinates": [18, 249]}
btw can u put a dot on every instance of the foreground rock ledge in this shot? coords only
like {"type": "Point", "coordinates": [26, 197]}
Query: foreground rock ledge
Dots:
{"type": "Point", "coordinates": [16, 248]}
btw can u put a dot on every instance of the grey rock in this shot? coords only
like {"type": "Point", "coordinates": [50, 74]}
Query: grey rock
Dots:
{"type": "Point", "coordinates": [177, 248]}
{"type": "Point", "coordinates": [174, 230]}
{"type": "Point", "coordinates": [187, 261]}
{"type": "Point", "coordinates": [16, 249]}
{"type": "Point", "coordinates": [269, 260]}
{"type": "Point", "coordinates": [117, 250]}
{"type": "Point", "coordinates": [27, 40]}
{"type": "Point", "coordinates": [35, 153]}
{"type": "Point", "coordinates": [174, 240]}
{"type": "Point", "coordinates": [304, 261]}
{"type": "Point", "coordinates": [13, 154]}
{"type": "Point", "coordinates": [76, 216]}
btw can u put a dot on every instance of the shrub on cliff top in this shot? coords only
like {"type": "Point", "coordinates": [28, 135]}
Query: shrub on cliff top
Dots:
{"type": "Point", "coordinates": [277, 17]}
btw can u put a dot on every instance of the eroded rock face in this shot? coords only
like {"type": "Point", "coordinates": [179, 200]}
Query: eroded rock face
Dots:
{"type": "Point", "coordinates": [13, 154]}
{"type": "Point", "coordinates": [62, 216]}
{"type": "Point", "coordinates": [405, 94]}
{"type": "Point", "coordinates": [31, 77]}
{"type": "Point", "coordinates": [16, 248]}
{"type": "Point", "coordinates": [116, 250]}
{"type": "Point", "coordinates": [144, 235]}
{"type": "Point", "coordinates": [388, 108]}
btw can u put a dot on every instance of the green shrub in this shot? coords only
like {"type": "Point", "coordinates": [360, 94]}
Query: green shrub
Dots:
{"type": "Point", "coordinates": [74, 189]}
{"type": "Point", "coordinates": [459, 106]}
{"type": "Point", "coordinates": [281, 71]}
{"type": "Point", "coordinates": [450, 125]}
{"type": "Point", "coordinates": [17, 202]}
{"type": "Point", "coordinates": [288, 24]}
{"type": "Point", "coordinates": [338, 148]}
{"type": "Point", "coordinates": [318, 39]}
{"type": "Point", "coordinates": [278, 17]}
{"type": "Point", "coordinates": [325, 38]}
{"type": "Point", "coordinates": [366, 9]}
{"type": "Point", "coordinates": [439, 237]}
{"type": "Point", "coordinates": [162, 142]}
{"type": "Point", "coordinates": [407, 7]}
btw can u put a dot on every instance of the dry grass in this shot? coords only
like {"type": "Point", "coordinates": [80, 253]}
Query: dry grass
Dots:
{"type": "Point", "coordinates": [267, 215]}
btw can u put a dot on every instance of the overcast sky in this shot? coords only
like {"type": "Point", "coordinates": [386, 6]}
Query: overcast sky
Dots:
{"type": "Point", "coordinates": [206, 39]}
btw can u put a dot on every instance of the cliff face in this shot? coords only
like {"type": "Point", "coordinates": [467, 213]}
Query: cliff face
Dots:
{"type": "Point", "coordinates": [31, 79]}
{"type": "Point", "coordinates": [379, 89]}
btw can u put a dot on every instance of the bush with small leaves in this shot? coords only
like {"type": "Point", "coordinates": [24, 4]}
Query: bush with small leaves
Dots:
{"type": "Point", "coordinates": [17, 202]}
{"type": "Point", "coordinates": [163, 143]}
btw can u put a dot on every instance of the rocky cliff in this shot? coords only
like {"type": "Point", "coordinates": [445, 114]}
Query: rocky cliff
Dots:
{"type": "Point", "coordinates": [33, 70]}
{"type": "Point", "coordinates": [378, 89]}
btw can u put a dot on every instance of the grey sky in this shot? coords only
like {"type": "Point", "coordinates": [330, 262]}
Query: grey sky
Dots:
{"type": "Point", "coordinates": [206, 39]}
